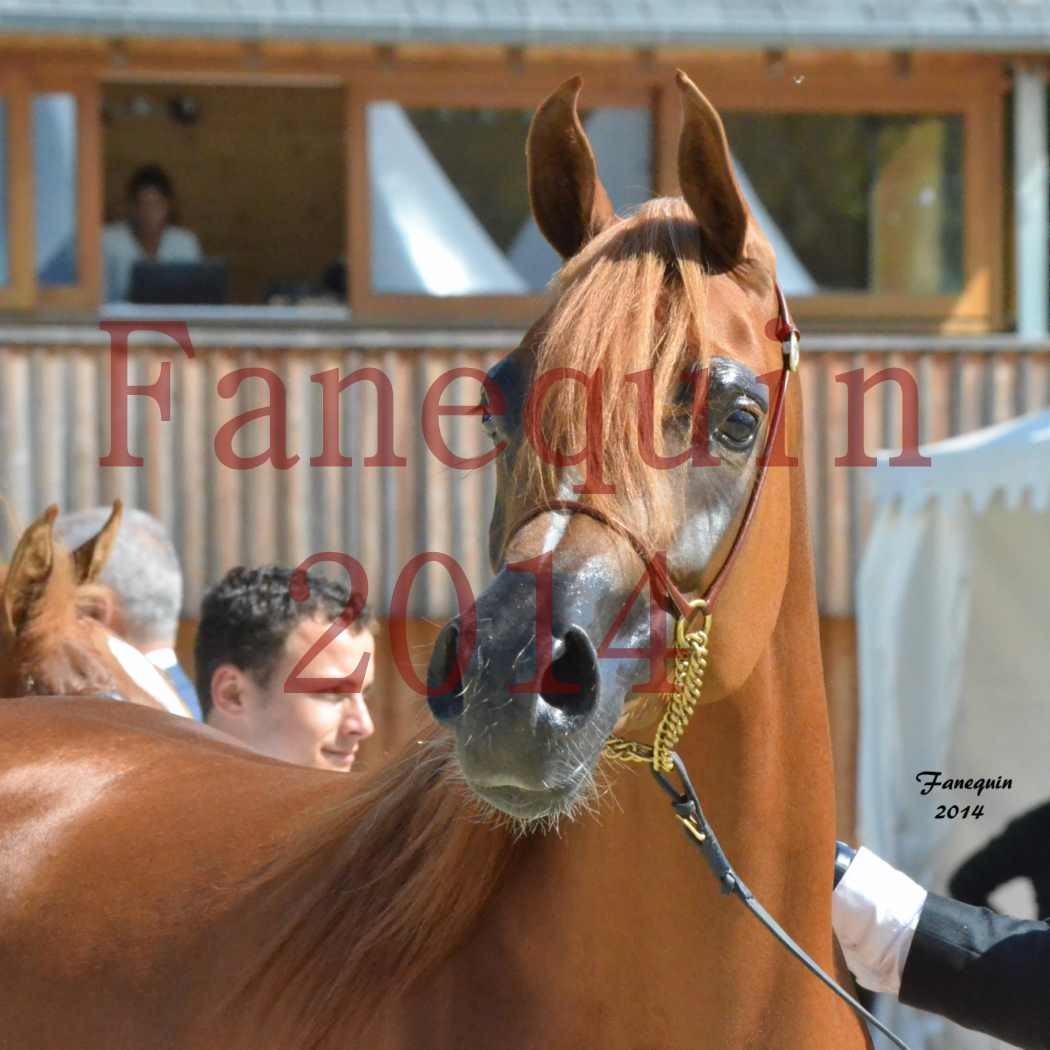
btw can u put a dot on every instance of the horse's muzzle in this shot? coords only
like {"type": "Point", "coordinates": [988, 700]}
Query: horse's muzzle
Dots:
{"type": "Point", "coordinates": [524, 714]}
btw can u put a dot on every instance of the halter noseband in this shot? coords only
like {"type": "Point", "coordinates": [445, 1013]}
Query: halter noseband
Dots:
{"type": "Point", "coordinates": [690, 643]}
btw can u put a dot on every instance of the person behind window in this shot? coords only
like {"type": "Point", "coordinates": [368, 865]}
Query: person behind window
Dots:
{"type": "Point", "coordinates": [149, 233]}
{"type": "Point", "coordinates": [256, 637]}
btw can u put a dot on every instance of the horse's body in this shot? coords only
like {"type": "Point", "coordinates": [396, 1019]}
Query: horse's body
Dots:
{"type": "Point", "coordinates": [132, 843]}
{"type": "Point", "coordinates": [151, 869]}
{"type": "Point", "coordinates": [161, 887]}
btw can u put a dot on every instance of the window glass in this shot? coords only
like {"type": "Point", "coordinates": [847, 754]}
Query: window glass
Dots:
{"type": "Point", "coordinates": [224, 194]}
{"type": "Point", "coordinates": [54, 117]}
{"type": "Point", "coordinates": [5, 215]}
{"type": "Point", "coordinates": [856, 203]}
{"type": "Point", "coordinates": [449, 199]}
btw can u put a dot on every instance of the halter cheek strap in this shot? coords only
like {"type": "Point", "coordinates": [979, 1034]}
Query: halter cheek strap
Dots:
{"type": "Point", "coordinates": [693, 616]}
{"type": "Point", "coordinates": [788, 335]}
{"type": "Point", "coordinates": [676, 600]}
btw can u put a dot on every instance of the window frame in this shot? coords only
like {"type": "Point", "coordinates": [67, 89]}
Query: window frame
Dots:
{"type": "Point", "coordinates": [978, 307]}
{"type": "Point", "coordinates": [19, 292]}
{"type": "Point", "coordinates": [524, 92]}
{"type": "Point", "coordinates": [734, 84]}
{"type": "Point", "coordinates": [969, 86]}
{"type": "Point", "coordinates": [153, 74]}
{"type": "Point", "coordinates": [18, 85]}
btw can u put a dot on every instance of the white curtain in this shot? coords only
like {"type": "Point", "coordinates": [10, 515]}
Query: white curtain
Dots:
{"type": "Point", "coordinates": [953, 602]}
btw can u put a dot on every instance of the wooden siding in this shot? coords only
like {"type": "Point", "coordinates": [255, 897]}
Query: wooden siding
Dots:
{"type": "Point", "coordinates": [54, 427]}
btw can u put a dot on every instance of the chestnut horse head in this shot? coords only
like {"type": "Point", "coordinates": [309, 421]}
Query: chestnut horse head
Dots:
{"type": "Point", "coordinates": [641, 393]}
{"type": "Point", "coordinates": [52, 642]}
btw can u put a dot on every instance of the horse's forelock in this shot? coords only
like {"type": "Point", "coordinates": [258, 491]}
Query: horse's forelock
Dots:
{"type": "Point", "coordinates": [633, 300]}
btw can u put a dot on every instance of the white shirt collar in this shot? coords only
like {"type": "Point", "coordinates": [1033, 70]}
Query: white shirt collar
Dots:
{"type": "Point", "coordinates": [162, 658]}
{"type": "Point", "coordinates": [146, 676]}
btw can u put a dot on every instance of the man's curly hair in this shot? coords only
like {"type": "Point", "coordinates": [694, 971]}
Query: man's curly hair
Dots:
{"type": "Point", "coordinates": [246, 617]}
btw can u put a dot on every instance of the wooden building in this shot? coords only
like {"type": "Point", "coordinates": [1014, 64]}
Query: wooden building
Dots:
{"type": "Point", "coordinates": [897, 150]}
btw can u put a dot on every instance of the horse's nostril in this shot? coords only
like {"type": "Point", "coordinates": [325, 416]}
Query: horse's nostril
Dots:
{"type": "Point", "coordinates": [570, 683]}
{"type": "Point", "coordinates": [445, 676]}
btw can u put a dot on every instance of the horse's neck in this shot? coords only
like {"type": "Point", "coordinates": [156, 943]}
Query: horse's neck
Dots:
{"type": "Point", "coordinates": [613, 933]}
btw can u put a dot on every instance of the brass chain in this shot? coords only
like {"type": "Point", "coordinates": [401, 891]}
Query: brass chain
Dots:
{"type": "Point", "coordinates": [689, 667]}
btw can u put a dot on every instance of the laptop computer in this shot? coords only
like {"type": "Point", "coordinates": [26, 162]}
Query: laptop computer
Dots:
{"type": "Point", "coordinates": [171, 283]}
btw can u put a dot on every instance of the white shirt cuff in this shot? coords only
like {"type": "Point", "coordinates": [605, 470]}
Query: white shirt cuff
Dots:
{"type": "Point", "coordinates": [874, 912]}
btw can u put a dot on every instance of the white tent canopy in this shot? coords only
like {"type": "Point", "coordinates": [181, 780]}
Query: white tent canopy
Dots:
{"type": "Point", "coordinates": [425, 239]}
{"type": "Point", "coordinates": [953, 606]}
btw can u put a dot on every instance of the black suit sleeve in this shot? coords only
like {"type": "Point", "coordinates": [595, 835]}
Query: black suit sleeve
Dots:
{"type": "Point", "coordinates": [981, 970]}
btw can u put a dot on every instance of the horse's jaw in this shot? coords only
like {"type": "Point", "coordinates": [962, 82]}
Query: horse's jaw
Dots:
{"type": "Point", "coordinates": [534, 811]}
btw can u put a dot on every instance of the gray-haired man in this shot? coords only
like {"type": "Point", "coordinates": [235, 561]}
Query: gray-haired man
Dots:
{"type": "Point", "coordinates": [144, 577]}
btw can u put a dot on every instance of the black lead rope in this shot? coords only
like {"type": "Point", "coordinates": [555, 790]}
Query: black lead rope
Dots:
{"type": "Point", "coordinates": [686, 805]}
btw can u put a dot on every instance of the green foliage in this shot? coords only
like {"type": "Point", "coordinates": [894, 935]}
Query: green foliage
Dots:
{"type": "Point", "coordinates": [815, 173]}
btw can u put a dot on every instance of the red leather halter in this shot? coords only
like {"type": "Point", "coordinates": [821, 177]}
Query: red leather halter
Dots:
{"type": "Point", "coordinates": [659, 575]}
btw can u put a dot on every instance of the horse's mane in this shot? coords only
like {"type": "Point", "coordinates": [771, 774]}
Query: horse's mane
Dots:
{"type": "Point", "coordinates": [633, 299]}
{"type": "Point", "coordinates": [392, 878]}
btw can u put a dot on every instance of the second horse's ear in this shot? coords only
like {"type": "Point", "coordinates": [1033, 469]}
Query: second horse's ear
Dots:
{"type": "Point", "coordinates": [28, 575]}
{"type": "Point", "coordinates": [568, 201]}
{"type": "Point", "coordinates": [91, 556]}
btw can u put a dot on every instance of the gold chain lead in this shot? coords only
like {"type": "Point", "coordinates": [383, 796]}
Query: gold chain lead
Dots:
{"type": "Point", "coordinates": [689, 668]}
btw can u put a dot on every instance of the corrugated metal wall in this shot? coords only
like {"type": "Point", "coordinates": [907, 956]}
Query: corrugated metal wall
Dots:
{"type": "Point", "coordinates": [54, 427]}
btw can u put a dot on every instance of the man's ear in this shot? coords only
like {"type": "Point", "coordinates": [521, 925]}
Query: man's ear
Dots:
{"type": "Point", "coordinates": [98, 602]}
{"type": "Point", "coordinates": [90, 557]}
{"type": "Point", "coordinates": [231, 692]}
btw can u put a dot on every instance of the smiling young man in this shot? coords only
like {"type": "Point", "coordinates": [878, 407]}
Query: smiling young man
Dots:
{"type": "Point", "coordinates": [252, 641]}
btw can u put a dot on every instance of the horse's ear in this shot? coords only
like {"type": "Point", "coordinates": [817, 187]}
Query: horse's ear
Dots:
{"type": "Point", "coordinates": [90, 557]}
{"type": "Point", "coordinates": [705, 174]}
{"type": "Point", "coordinates": [568, 201]}
{"type": "Point", "coordinates": [28, 573]}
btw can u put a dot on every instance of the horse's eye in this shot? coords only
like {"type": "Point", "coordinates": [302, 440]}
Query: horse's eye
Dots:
{"type": "Point", "coordinates": [488, 421]}
{"type": "Point", "coordinates": [738, 429]}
